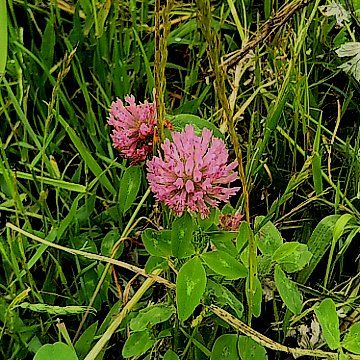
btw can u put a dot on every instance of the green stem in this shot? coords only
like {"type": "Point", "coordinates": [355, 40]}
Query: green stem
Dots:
{"type": "Point", "coordinates": [124, 235]}
{"type": "Point", "coordinates": [118, 320]}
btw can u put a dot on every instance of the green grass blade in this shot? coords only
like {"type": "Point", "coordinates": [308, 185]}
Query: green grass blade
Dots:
{"type": "Point", "coordinates": [87, 157]}
{"type": "Point", "coordinates": [3, 36]}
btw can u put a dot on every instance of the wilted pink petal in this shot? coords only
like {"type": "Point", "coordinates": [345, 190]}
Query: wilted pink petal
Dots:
{"type": "Point", "coordinates": [191, 174]}
{"type": "Point", "coordinates": [134, 127]}
{"type": "Point", "coordinates": [230, 222]}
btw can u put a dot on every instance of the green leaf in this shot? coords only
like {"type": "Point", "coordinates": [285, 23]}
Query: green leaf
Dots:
{"type": "Point", "coordinates": [340, 225]}
{"type": "Point", "coordinates": [224, 240]}
{"type": "Point", "coordinates": [243, 235]}
{"type": "Point", "coordinates": [329, 322]}
{"type": "Point", "coordinates": [318, 244]}
{"type": "Point", "coordinates": [151, 316]}
{"type": "Point", "coordinates": [190, 287]}
{"type": "Point", "coordinates": [137, 344]}
{"type": "Point", "coordinates": [224, 297]}
{"type": "Point", "coordinates": [180, 121]}
{"type": "Point", "coordinates": [292, 256]}
{"type": "Point", "coordinates": [157, 243]}
{"type": "Point", "coordinates": [48, 43]}
{"type": "Point", "coordinates": [86, 156]}
{"type": "Point", "coordinates": [257, 298]}
{"type": "Point", "coordinates": [56, 351]}
{"type": "Point", "coordinates": [171, 355]}
{"type": "Point", "coordinates": [108, 242]}
{"type": "Point", "coordinates": [109, 317]}
{"type": "Point", "coordinates": [213, 218]}
{"type": "Point", "coordinates": [250, 349]}
{"type": "Point", "coordinates": [343, 356]}
{"type": "Point", "coordinates": [83, 344]}
{"type": "Point", "coordinates": [225, 348]}
{"type": "Point", "coordinates": [155, 262]}
{"type": "Point", "coordinates": [268, 237]}
{"type": "Point", "coordinates": [181, 236]}
{"type": "Point", "coordinates": [129, 187]}
{"type": "Point", "coordinates": [288, 291]}
{"type": "Point", "coordinates": [224, 264]}
{"type": "Point", "coordinates": [351, 340]}
{"type": "Point", "coordinates": [3, 37]}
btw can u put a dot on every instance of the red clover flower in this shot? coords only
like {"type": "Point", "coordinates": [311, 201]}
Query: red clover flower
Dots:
{"type": "Point", "coordinates": [134, 127]}
{"type": "Point", "coordinates": [192, 173]}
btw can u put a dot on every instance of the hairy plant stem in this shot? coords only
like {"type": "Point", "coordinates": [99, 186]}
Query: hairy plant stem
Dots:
{"type": "Point", "coordinates": [161, 53]}
{"type": "Point", "coordinates": [213, 50]}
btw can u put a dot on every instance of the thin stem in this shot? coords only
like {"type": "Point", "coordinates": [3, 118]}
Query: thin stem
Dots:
{"type": "Point", "coordinates": [93, 256]}
{"type": "Point", "coordinates": [118, 320]}
{"type": "Point", "coordinates": [265, 341]}
{"type": "Point", "coordinates": [107, 267]}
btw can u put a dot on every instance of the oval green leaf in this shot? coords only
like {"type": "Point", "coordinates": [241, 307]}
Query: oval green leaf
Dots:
{"type": "Point", "coordinates": [129, 187]}
{"type": "Point", "coordinates": [157, 243]}
{"type": "Point", "coordinates": [225, 348]}
{"type": "Point", "coordinates": [180, 121]}
{"type": "Point", "coordinates": [257, 297]}
{"type": "Point", "coordinates": [155, 262]}
{"type": "Point", "coordinates": [151, 316]}
{"type": "Point", "coordinates": [56, 351]}
{"type": "Point", "coordinates": [250, 349]}
{"type": "Point", "coordinates": [224, 264]}
{"type": "Point", "coordinates": [83, 344]}
{"type": "Point", "coordinates": [243, 235]}
{"type": "Point", "coordinates": [171, 355]}
{"type": "Point", "coordinates": [288, 291]}
{"type": "Point", "coordinates": [190, 287]}
{"type": "Point", "coordinates": [224, 297]}
{"type": "Point", "coordinates": [329, 322]}
{"type": "Point", "coordinates": [137, 344]}
{"type": "Point", "coordinates": [223, 240]}
{"type": "Point", "coordinates": [292, 256]}
{"type": "Point", "coordinates": [268, 237]}
{"type": "Point", "coordinates": [181, 236]}
{"type": "Point", "coordinates": [351, 340]}
{"type": "Point", "coordinates": [318, 243]}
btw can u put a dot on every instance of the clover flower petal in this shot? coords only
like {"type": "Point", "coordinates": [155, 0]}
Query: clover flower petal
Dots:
{"type": "Point", "coordinates": [133, 128]}
{"type": "Point", "coordinates": [192, 173]}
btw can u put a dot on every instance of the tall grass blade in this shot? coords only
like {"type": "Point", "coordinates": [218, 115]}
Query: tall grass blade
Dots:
{"type": "Point", "coordinates": [3, 37]}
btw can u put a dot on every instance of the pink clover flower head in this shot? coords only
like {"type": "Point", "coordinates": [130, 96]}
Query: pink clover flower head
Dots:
{"type": "Point", "coordinates": [134, 127]}
{"type": "Point", "coordinates": [193, 172]}
{"type": "Point", "coordinates": [230, 222]}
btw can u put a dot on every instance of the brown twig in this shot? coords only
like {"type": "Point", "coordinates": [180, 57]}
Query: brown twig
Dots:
{"type": "Point", "coordinates": [270, 344]}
